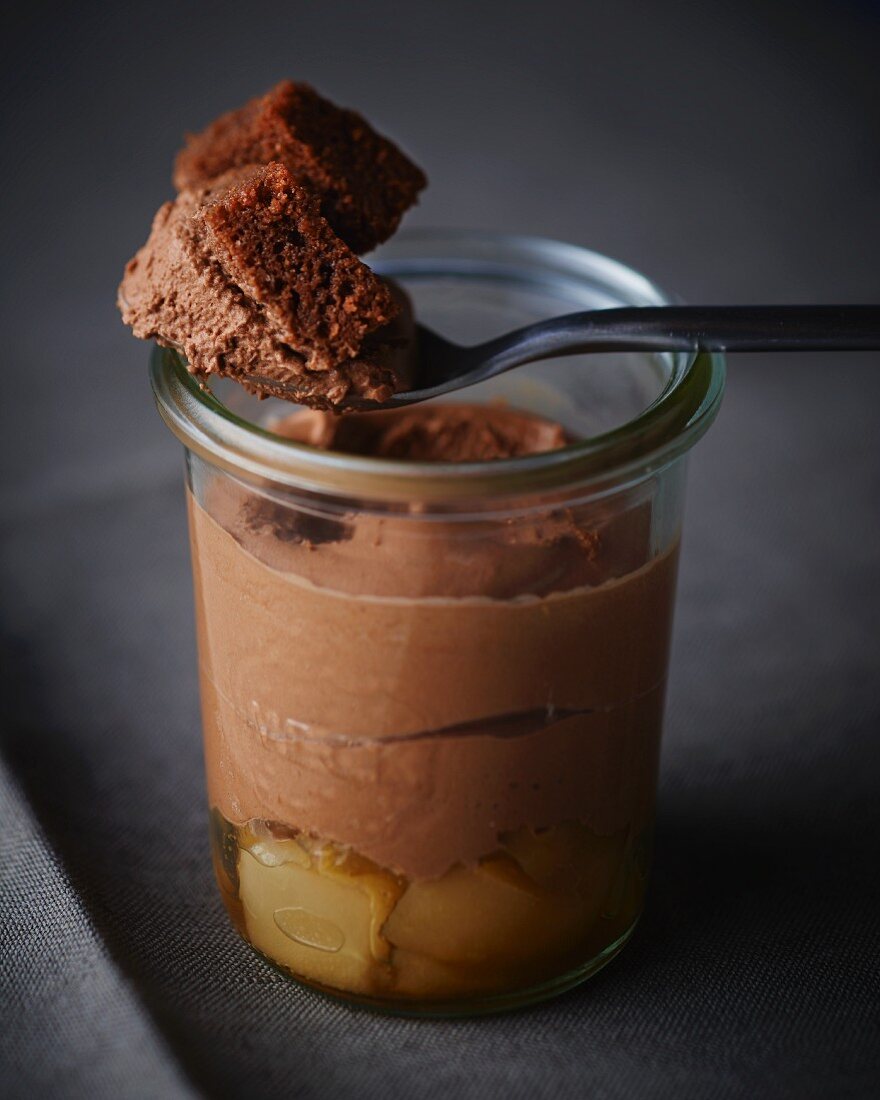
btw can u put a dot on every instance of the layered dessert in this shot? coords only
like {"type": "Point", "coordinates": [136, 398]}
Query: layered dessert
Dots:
{"type": "Point", "coordinates": [431, 731]}
{"type": "Point", "coordinates": [431, 746]}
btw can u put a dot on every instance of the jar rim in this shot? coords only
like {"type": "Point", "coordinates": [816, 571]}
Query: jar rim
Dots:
{"type": "Point", "coordinates": [629, 452]}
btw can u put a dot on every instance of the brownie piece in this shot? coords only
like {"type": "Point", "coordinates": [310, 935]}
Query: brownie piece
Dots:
{"type": "Point", "coordinates": [268, 235]}
{"type": "Point", "coordinates": [364, 181]}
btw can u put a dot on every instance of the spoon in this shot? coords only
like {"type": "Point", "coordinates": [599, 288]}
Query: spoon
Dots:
{"type": "Point", "coordinates": [442, 366]}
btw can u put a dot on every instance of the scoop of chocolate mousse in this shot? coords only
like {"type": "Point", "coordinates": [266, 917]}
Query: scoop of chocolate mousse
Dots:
{"type": "Point", "coordinates": [540, 550]}
{"type": "Point", "coordinates": [247, 279]}
{"type": "Point", "coordinates": [448, 432]}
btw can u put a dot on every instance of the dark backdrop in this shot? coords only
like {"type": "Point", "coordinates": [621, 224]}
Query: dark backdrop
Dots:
{"type": "Point", "coordinates": [727, 149]}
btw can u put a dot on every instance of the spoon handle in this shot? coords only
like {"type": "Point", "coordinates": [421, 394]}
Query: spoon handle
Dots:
{"type": "Point", "coordinates": [708, 328]}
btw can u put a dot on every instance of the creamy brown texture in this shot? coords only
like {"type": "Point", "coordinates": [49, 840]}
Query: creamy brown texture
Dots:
{"type": "Point", "coordinates": [412, 688]}
{"type": "Point", "coordinates": [175, 291]}
{"type": "Point", "coordinates": [252, 271]}
{"type": "Point", "coordinates": [448, 432]}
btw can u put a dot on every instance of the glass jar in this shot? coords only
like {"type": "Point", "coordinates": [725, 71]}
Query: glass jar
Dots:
{"type": "Point", "coordinates": [432, 693]}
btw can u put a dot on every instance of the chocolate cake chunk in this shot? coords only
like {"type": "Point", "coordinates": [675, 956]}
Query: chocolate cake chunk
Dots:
{"type": "Point", "coordinates": [365, 183]}
{"type": "Point", "coordinates": [247, 280]}
{"type": "Point", "coordinates": [268, 235]}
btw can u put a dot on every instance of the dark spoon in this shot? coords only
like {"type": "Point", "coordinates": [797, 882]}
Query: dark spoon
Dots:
{"type": "Point", "coordinates": [444, 366]}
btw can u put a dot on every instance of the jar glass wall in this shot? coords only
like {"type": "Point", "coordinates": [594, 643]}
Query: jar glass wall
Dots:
{"type": "Point", "coordinates": [432, 694]}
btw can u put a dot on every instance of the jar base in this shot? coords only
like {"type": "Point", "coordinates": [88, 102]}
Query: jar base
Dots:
{"type": "Point", "coordinates": [456, 1008]}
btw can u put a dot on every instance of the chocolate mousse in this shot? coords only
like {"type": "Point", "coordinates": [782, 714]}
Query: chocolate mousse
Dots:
{"type": "Point", "coordinates": [252, 272]}
{"type": "Point", "coordinates": [429, 433]}
{"type": "Point", "coordinates": [249, 281]}
{"type": "Point", "coordinates": [431, 746]}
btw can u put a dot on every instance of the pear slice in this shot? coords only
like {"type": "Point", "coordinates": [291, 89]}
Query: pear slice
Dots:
{"type": "Point", "coordinates": [304, 912]}
{"type": "Point", "coordinates": [568, 859]}
{"type": "Point", "coordinates": [470, 915]}
{"type": "Point", "coordinates": [537, 899]}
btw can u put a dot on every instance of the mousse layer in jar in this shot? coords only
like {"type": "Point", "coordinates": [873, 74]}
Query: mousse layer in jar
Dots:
{"type": "Point", "coordinates": [431, 741]}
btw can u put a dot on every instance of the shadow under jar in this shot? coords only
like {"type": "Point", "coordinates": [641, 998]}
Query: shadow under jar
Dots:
{"type": "Point", "coordinates": [432, 694]}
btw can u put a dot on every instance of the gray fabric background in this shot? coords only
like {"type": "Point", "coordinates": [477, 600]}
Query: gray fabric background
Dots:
{"type": "Point", "coordinates": [730, 151]}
